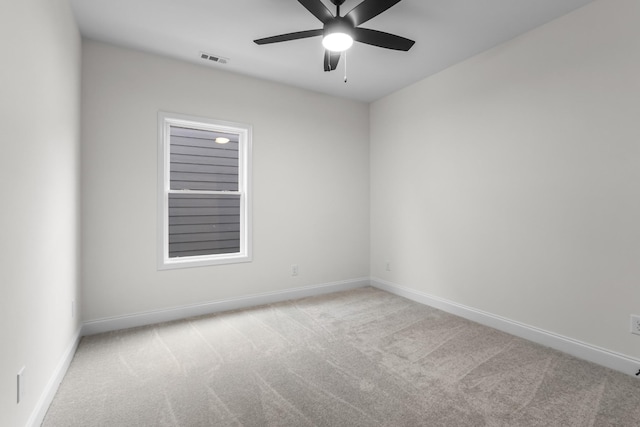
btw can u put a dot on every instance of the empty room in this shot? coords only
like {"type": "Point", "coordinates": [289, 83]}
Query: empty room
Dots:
{"type": "Point", "coordinates": [320, 213]}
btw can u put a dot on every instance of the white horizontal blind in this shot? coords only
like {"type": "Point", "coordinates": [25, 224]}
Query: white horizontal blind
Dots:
{"type": "Point", "coordinates": [204, 200]}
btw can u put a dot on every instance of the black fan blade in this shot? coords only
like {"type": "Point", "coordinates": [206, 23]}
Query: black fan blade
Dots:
{"type": "Point", "coordinates": [331, 60]}
{"type": "Point", "coordinates": [369, 9]}
{"type": "Point", "coordinates": [318, 9]}
{"type": "Point", "coordinates": [380, 39]}
{"type": "Point", "coordinates": [289, 36]}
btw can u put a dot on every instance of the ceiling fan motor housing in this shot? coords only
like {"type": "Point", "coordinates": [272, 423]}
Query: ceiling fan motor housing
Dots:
{"type": "Point", "coordinates": [338, 24]}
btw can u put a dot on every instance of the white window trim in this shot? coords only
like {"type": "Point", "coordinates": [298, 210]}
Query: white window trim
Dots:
{"type": "Point", "coordinates": [244, 131]}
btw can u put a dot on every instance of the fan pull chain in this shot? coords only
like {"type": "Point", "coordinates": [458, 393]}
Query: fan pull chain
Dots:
{"type": "Point", "coordinates": [345, 66]}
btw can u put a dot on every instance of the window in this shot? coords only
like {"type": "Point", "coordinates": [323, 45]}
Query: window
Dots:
{"type": "Point", "coordinates": [204, 204]}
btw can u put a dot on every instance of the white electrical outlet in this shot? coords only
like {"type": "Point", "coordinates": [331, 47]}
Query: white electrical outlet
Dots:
{"type": "Point", "coordinates": [294, 269]}
{"type": "Point", "coordinates": [635, 324]}
{"type": "Point", "coordinates": [20, 386]}
{"type": "Point", "coordinates": [387, 265]}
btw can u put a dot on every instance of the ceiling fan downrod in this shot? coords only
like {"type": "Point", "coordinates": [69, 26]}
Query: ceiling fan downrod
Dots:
{"type": "Point", "coordinates": [338, 3]}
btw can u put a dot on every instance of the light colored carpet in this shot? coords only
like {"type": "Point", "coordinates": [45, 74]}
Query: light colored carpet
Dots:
{"type": "Point", "coordinates": [357, 358]}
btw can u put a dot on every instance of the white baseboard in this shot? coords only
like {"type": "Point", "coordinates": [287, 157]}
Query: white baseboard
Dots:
{"type": "Point", "coordinates": [600, 356]}
{"type": "Point", "coordinates": [40, 410]}
{"type": "Point", "coordinates": [156, 316]}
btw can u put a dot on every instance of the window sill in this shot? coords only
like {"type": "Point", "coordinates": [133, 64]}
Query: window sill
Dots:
{"type": "Point", "coordinates": [204, 261]}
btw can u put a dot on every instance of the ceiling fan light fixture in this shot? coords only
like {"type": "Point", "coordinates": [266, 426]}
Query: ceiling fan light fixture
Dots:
{"type": "Point", "coordinates": [337, 42]}
{"type": "Point", "coordinates": [337, 35]}
{"type": "Point", "coordinates": [339, 32]}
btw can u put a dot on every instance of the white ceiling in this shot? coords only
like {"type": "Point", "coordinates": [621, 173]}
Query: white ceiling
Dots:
{"type": "Point", "coordinates": [445, 31]}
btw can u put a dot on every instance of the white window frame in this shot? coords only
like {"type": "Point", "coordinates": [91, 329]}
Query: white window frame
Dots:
{"type": "Point", "coordinates": [244, 132]}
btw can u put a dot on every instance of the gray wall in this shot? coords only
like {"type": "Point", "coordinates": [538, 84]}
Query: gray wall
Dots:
{"type": "Point", "coordinates": [310, 182]}
{"type": "Point", "coordinates": [39, 172]}
{"type": "Point", "coordinates": [510, 183]}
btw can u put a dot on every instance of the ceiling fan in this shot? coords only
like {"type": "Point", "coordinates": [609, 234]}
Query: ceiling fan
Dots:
{"type": "Point", "coordinates": [339, 32]}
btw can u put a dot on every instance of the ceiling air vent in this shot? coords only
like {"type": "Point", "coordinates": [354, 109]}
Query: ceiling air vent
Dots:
{"type": "Point", "coordinates": [214, 58]}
